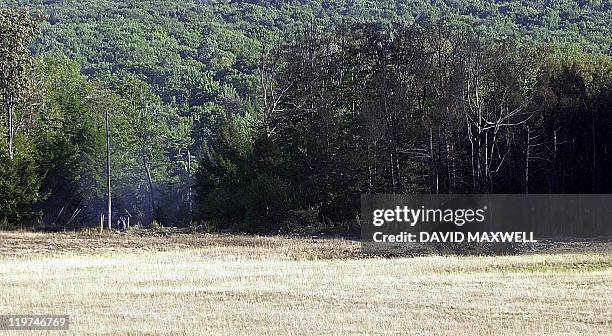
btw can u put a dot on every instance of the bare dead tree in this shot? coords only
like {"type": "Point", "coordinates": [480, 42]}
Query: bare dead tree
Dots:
{"type": "Point", "coordinates": [272, 91]}
{"type": "Point", "coordinates": [492, 111]}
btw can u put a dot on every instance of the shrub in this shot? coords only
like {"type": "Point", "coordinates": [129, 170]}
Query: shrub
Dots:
{"type": "Point", "coordinates": [303, 220]}
{"type": "Point", "coordinates": [267, 202]}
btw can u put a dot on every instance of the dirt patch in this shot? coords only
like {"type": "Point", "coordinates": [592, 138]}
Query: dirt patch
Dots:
{"type": "Point", "coordinates": [28, 244]}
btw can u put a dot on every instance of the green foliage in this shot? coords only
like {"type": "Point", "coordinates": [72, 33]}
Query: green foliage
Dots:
{"type": "Point", "coordinates": [272, 125]}
{"type": "Point", "coordinates": [17, 29]}
{"type": "Point", "coordinates": [19, 187]}
{"type": "Point", "coordinates": [68, 138]}
{"type": "Point", "coordinates": [19, 181]}
{"type": "Point", "coordinates": [188, 51]}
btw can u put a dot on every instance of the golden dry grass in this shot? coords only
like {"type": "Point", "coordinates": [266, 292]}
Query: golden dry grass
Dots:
{"type": "Point", "coordinates": [241, 285]}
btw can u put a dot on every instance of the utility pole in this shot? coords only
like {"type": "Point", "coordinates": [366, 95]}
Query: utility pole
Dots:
{"type": "Point", "coordinates": [108, 169]}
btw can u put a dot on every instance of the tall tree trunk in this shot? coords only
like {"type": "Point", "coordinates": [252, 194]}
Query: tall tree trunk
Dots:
{"type": "Point", "coordinates": [553, 175]}
{"type": "Point", "coordinates": [147, 167]}
{"type": "Point", "coordinates": [10, 128]}
{"type": "Point", "coordinates": [594, 174]}
{"type": "Point", "coordinates": [434, 183]}
{"type": "Point", "coordinates": [527, 153]}
{"type": "Point", "coordinates": [189, 183]}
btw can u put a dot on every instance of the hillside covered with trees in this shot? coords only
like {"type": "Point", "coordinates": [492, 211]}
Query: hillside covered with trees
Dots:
{"type": "Point", "coordinates": [268, 115]}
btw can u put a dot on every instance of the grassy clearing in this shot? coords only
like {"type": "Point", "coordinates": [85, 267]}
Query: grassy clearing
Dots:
{"type": "Point", "coordinates": [241, 285]}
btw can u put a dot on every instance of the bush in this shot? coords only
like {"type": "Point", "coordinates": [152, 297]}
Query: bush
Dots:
{"type": "Point", "coordinates": [267, 202]}
{"type": "Point", "coordinates": [303, 220]}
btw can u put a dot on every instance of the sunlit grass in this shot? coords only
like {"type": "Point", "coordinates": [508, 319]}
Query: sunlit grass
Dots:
{"type": "Point", "coordinates": [233, 285]}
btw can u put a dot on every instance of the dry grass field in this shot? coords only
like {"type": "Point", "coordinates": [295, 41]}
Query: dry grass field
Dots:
{"type": "Point", "coordinates": [241, 285]}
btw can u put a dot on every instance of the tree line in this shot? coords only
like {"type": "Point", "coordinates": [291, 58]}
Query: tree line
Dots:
{"type": "Point", "coordinates": [335, 113]}
{"type": "Point", "coordinates": [375, 108]}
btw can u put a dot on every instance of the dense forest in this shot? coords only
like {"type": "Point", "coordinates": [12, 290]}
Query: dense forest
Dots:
{"type": "Point", "coordinates": [277, 115]}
